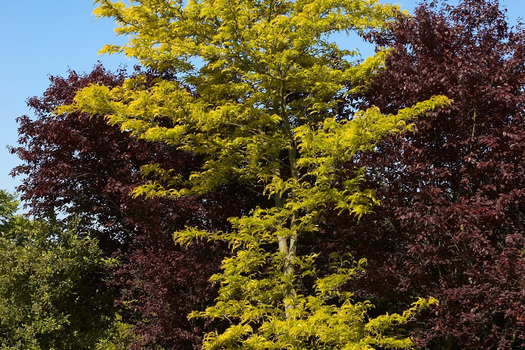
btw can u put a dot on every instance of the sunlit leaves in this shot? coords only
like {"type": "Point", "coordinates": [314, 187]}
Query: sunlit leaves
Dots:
{"type": "Point", "coordinates": [257, 96]}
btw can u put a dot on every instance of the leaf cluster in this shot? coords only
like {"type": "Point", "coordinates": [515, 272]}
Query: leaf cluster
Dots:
{"type": "Point", "coordinates": [451, 193]}
{"type": "Point", "coordinates": [51, 290]}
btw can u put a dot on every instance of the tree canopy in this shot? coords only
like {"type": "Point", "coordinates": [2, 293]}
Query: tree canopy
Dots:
{"type": "Point", "coordinates": [260, 97]}
{"type": "Point", "coordinates": [52, 295]}
{"type": "Point", "coordinates": [333, 197]}
{"type": "Point", "coordinates": [451, 222]}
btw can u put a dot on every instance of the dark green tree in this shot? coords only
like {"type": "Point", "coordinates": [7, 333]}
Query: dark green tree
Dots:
{"type": "Point", "coordinates": [52, 295]}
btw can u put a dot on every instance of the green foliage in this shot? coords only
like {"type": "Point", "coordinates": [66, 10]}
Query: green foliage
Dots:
{"type": "Point", "coordinates": [8, 208]}
{"type": "Point", "coordinates": [268, 311]}
{"type": "Point", "coordinates": [260, 96]}
{"type": "Point", "coordinates": [119, 336]}
{"type": "Point", "coordinates": [51, 295]}
{"type": "Point", "coordinates": [326, 320]}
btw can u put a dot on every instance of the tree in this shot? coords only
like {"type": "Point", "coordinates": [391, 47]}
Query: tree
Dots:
{"type": "Point", "coordinates": [8, 208]}
{"type": "Point", "coordinates": [451, 222]}
{"type": "Point", "coordinates": [51, 292]}
{"type": "Point", "coordinates": [79, 168]}
{"type": "Point", "coordinates": [263, 107]}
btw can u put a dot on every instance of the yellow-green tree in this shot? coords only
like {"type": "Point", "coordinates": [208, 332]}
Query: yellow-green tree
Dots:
{"type": "Point", "coordinates": [259, 96]}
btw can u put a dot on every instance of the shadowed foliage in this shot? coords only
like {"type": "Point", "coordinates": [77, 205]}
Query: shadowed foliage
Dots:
{"type": "Point", "coordinates": [451, 222]}
{"type": "Point", "coordinates": [52, 292]}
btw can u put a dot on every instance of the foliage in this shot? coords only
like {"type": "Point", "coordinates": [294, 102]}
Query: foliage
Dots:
{"type": "Point", "coordinates": [258, 98]}
{"type": "Point", "coordinates": [8, 208]}
{"type": "Point", "coordinates": [75, 170]}
{"type": "Point", "coordinates": [78, 166]}
{"type": "Point", "coordinates": [51, 292]}
{"type": "Point", "coordinates": [451, 222]}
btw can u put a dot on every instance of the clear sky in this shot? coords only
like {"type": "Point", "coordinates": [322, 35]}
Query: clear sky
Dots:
{"type": "Point", "coordinates": [39, 38]}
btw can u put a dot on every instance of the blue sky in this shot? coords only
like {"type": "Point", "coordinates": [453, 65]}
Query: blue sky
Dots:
{"type": "Point", "coordinates": [39, 38]}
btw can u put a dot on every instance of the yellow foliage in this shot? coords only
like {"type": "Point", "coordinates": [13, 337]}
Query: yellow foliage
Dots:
{"type": "Point", "coordinates": [257, 93]}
